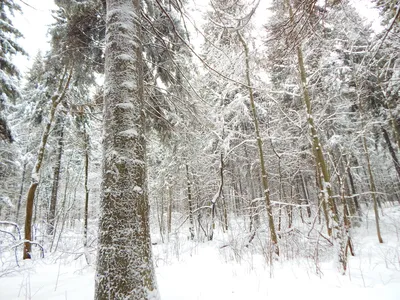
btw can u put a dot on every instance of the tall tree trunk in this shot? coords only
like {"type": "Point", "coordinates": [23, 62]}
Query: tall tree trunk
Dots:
{"type": "Point", "coordinates": [373, 189]}
{"type": "Point", "coordinates": [86, 209]}
{"type": "Point", "coordinates": [325, 180]}
{"type": "Point", "coordinates": [124, 263]}
{"type": "Point", "coordinates": [320, 161]}
{"type": "Point", "coordinates": [369, 169]}
{"type": "Point", "coordinates": [59, 128]}
{"type": "Point", "coordinates": [21, 191]}
{"type": "Point", "coordinates": [190, 202]}
{"type": "Point", "coordinates": [56, 99]}
{"type": "Point", "coordinates": [264, 175]}
{"type": "Point", "coordinates": [169, 219]}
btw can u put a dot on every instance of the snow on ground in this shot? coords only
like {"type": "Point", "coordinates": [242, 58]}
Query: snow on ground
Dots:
{"type": "Point", "coordinates": [193, 271]}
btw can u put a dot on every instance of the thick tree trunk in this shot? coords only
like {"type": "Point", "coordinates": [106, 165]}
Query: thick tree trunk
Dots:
{"type": "Point", "coordinates": [124, 263]}
{"type": "Point", "coordinates": [28, 220]}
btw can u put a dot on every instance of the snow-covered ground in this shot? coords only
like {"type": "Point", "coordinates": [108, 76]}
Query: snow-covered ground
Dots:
{"type": "Point", "coordinates": [218, 270]}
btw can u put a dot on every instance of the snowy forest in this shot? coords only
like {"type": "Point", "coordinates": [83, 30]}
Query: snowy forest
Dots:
{"type": "Point", "coordinates": [220, 149]}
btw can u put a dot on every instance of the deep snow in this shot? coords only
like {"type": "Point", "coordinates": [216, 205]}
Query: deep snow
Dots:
{"type": "Point", "coordinates": [189, 270]}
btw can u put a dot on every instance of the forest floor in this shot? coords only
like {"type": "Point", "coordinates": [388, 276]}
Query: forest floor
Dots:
{"type": "Point", "coordinates": [221, 269]}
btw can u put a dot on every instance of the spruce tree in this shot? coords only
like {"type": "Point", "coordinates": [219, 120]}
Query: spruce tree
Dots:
{"type": "Point", "coordinates": [8, 71]}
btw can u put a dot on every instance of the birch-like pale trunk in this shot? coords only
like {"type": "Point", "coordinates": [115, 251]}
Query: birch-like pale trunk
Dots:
{"type": "Point", "coordinates": [124, 263]}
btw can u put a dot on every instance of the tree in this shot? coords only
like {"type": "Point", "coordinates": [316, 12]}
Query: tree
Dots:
{"type": "Point", "coordinates": [264, 175]}
{"type": "Point", "coordinates": [55, 101]}
{"type": "Point", "coordinates": [124, 263]}
{"type": "Point", "coordinates": [8, 71]}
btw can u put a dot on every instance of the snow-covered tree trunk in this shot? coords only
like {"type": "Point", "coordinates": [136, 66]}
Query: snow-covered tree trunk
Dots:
{"type": "Point", "coordinates": [265, 183]}
{"type": "Point", "coordinates": [190, 202]}
{"type": "Point", "coordinates": [59, 128]}
{"type": "Point", "coordinates": [86, 209]}
{"type": "Point", "coordinates": [124, 264]}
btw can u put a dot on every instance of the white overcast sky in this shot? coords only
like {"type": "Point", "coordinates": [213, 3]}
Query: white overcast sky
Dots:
{"type": "Point", "coordinates": [37, 16]}
{"type": "Point", "coordinates": [33, 25]}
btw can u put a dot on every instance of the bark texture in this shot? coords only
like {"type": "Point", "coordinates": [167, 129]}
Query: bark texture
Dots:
{"type": "Point", "coordinates": [124, 263]}
{"type": "Point", "coordinates": [86, 211]}
{"type": "Point", "coordinates": [59, 128]}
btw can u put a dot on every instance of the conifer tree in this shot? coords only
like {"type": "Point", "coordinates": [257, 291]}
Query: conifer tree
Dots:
{"type": "Point", "coordinates": [8, 71]}
{"type": "Point", "coordinates": [124, 263]}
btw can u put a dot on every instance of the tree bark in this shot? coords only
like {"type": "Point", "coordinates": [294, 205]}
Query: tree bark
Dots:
{"type": "Point", "coordinates": [169, 219]}
{"type": "Point", "coordinates": [320, 161]}
{"type": "Point", "coordinates": [124, 263]}
{"type": "Point", "coordinates": [373, 189]}
{"type": "Point", "coordinates": [86, 212]}
{"type": "Point", "coordinates": [59, 128]}
{"type": "Point", "coordinates": [264, 174]}
{"type": "Point", "coordinates": [190, 203]}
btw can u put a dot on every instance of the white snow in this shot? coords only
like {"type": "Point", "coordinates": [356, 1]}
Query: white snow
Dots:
{"type": "Point", "coordinates": [125, 57]}
{"type": "Point", "coordinates": [188, 270]}
{"type": "Point", "coordinates": [137, 189]}
{"type": "Point", "coordinates": [128, 133]}
{"type": "Point", "coordinates": [125, 105]}
{"type": "Point", "coordinates": [130, 85]}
